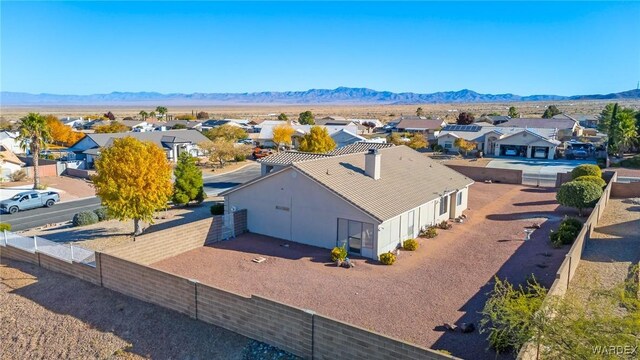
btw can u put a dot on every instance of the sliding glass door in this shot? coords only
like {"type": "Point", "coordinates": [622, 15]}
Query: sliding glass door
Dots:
{"type": "Point", "coordinates": [355, 235]}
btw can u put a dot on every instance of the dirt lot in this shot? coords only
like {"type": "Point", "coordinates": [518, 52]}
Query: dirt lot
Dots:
{"type": "Point", "coordinates": [46, 315]}
{"type": "Point", "coordinates": [612, 250]}
{"type": "Point", "coordinates": [444, 281]}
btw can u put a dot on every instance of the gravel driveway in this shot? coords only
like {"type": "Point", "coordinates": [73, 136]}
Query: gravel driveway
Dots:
{"type": "Point", "coordinates": [444, 281]}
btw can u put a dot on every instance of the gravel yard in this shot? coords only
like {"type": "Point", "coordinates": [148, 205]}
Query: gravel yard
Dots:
{"type": "Point", "coordinates": [445, 281]}
{"type": "Point", "coordinates": [612, 250]}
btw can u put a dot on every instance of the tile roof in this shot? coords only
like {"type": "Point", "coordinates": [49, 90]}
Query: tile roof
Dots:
{"type": "Point", "coordinates": [419, 124]}
{"type": "Point", "coordinates": [289, 157]}
{"type": "Point", "coordinates": [359, 147]}
{"type": "Point", "coordinates": [8, 156]}
{"type": "Point", "coordinates": [408, 180]}
{"type": "Point", "coordinates": [158, 137]}
{"type": "Point", "coordinates": [539, 123]}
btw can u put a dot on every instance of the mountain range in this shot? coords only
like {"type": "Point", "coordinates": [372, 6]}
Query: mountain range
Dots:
{"type": "Point", "coordinates": [341, 95]}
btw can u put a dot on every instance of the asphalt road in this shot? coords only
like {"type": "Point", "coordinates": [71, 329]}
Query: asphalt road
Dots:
{"type": "Point", "coordinates": [61, 212]}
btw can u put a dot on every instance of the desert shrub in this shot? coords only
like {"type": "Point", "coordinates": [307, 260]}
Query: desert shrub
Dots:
{"type": "Point", "coordinates": [388, 258]}
{"type": "Point", "coordinates": [41, 187]}
{"type": "Point", "coordinates": [444, 225]}
{"type": "Point", "coordinates": [19, 175]}
{"type": "Point", "coordinates": [509, 314]}
{"type": "Point", "coordinates": [410, 245]}
{"type": "Point", "coordinates": [5, 226]}
{"type": "Point", "coordinates": [339, 253]}
{"type": "Point", "coordinates": [567, 232]}
{"type": "Point", "coordinates": [586, 170]}
{"type": "Point", "coordinates": [85, 218]}
{"type": "Point", "coordinates": [429, 232]}
{"type": "Point", "coordinates": [633, 162]}
{"type": "Point", "coordinates": [217, 209]}
{"type": "Point", "coordinates": [579, 194]}
{"type": "Point", "coordinates": [240, 157]}
{"type": "Point", "coordinates": [594, 179]}
{"type": "Point", "coordinates": [102, 214]}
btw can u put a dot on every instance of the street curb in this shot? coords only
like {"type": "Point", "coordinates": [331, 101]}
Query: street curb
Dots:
{"type": "Point", "coordinates": [230, 172]}
{"type": "Point", "coordinates": [78, 199]}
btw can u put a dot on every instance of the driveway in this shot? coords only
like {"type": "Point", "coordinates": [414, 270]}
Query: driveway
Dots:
{"type": "Point", "coordinates": [537, 166]}
{"type": "Point", "coordinates": [215, 184]}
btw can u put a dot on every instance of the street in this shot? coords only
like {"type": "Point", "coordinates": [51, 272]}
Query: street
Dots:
{"type": "Point", "coordinates": [61, 212]}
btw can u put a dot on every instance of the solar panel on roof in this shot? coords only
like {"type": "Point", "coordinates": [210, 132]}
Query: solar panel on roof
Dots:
{"type": "Point", "coordinates": [468, 128]}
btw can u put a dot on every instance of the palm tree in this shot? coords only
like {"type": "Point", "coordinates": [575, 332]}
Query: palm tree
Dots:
{"type": "Point", "coordinates": [626, 132]}
{"type": "Point", "coordinates": [152, 114]}
{"type": "Point", "coordinates": [161, 110]}
{"type": "Point", "coordinates": [144, 115]}
{"type": "Point", "coordinates": [34, 134]}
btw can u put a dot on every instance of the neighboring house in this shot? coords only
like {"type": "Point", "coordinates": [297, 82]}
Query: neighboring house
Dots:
{"type": "Point", "coordinates": [493, 119]}
{"type": "Point", "coordinates": [416, 124]}
{"type": "Point", "coordinates": [564, 127]}
{"type": "Point", "coordinates": [138, 125]}
{"type": "Point", "coordinates": [585, 120]}
{"type": "Point", "coordinates": [282, 159]}
{"type": "Point", "coordinates": [173, 142]}
{"type": "Point", "coordinates": [369, 202]}
{"type": "Point", "coordinates": [168, 125]}
{"type": "Point", "coordinates": [9, 140]}
{"type": "Point", "coordinates": [9, 163]}
{"type": "Point", "coordinates": [502, 141]}
{"type": "Point", "coordinates": [73, 122]}
{"type": "Point", "coordinates": [210, 124]}
{"type": "Point", "coordinates": [265, 138]}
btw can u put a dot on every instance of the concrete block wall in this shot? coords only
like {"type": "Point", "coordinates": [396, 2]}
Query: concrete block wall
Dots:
{"type": "Point", "coordinates": [240, 221]}
{"type": "Point", "coordinates": [20, 255]}
{"type": "Point", "coordinates": [507, 176]}
{"type": "Point", "coordinates": [82, 271]}
{"type": "Point", "coordinates": [625, 191]}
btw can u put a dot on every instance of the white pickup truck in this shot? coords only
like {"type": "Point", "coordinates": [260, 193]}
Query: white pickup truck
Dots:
{"type": "Point", "coordinates": [29, 200]}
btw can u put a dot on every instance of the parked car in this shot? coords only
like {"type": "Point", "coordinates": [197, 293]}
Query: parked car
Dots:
{"type": "Point", "coordinates": [259, 153]}
{"type": "Point", "coordinates": [511, 152]}
{"type": "Point", "coordinates": [29, 200]}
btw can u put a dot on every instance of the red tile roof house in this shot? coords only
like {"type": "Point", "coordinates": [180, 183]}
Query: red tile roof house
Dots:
{"type": "Point", "coordinates": [368, 201]}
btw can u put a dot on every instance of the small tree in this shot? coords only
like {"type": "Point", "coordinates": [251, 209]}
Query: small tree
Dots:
{"type": "Point", "coordinates": [417, 141]}
{"type": "Point", "coordinates": [464, 145]}
{"type": "Point", "coordinates": [465, 118]}
{"type": "Point", "coordinates": [220, 150]}
{"type": "Point", "coordinates": [188, 185]}
{"type": "Point", "coordinates": [112, 127]}
{"type": "Point", "coordinates": [306, 118]}
{"type": "Point", "coordinates": [370, 125]}
{"type": "Point", "coordinates": [283, 117]}
{"type": "Point", "coordinates": [109, 115]}
{"type": "Point", "coordinates": [179, 126]}
{"type": "Point", "coordinates": [550, 112]}
{"type": "Point", "coordinates": [419, 112]}
{"type": "Point", "coordinates": [282, 135]}
{"type": "Point", "coordinates": [133, 180]}
{"type": "Point", "coordinates": [586, 170]}
{"type": "Point", "coordinates": [161, 110]}
{"type": "Point", "coordinates": [143, 114]}
{"type": "Point", "coordinates": [395, 139]}
{"type": "Point", "coordinates": [34, 134]}
{"type": "Point", "coordinates": [227, 132]}
{"type": "Point", "coordinates": [202, 115]}
{"type": "Point", "coordinates": [579, 194]}
{"type": "Point", "coordinates": [317, 141]}
{"type": "Point", "coordinates": [513, 112]}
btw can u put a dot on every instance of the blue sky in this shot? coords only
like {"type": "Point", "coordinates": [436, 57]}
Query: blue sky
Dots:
{"type": "Point", "coordinates": [522, 48]}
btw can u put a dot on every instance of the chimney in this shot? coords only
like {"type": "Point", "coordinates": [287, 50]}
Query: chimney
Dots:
{"type": "Point", "coordinates": [372, 164]}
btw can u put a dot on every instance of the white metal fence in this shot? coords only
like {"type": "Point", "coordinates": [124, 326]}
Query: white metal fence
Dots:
{"type": "Point", "coordinates": [35, 244]}
{"type": "Point", "coordinates": [539, 179]}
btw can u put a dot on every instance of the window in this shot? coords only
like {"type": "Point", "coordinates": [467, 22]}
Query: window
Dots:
{"type": "Point", "coordinates": [444, 204]}
{"type": "Point", "coordinates": [355, 235]}
{"type": "Point", "coordinates": [459, 198]}
{"type": "Point", "coordinates": [448, 144]}
{"type": "Point", "coordinates": [34, 196]}
{"type": "Point", "coordinates": [411, 223]}
{"type": "Point", "coordinates": [367, 235]}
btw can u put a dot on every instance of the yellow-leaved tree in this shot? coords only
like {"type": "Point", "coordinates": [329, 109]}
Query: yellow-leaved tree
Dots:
{"type": "Point", "coordinates": [464, 145]}
{"type": "Point", "coordinates": [133, 180]}
{"type": "Point", "coordinates": [282, 135]}
{"type": "Point", "coordinates": [317, 141]}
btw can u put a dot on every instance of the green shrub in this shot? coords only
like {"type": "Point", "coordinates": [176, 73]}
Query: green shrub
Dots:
{"type": "Point", "coordinates": [429, 232]}
{"type": "Point", "coordinates": [579, 194]}
{"type": "Point", "coordinates": [388, 258]}
{"type": "Point", "coordinates": [567, 232]}
{"type": "Point", "coordinates": [102, 214]}
{"type": "Point", "coordinates": [410, 245]}
{"type": "Point", "coordinates": [217, 209]}
{"type": "Point", "coordinates": [5, 226]}
{"type": "Point", "coordinates": [85, 218]}
{"type": "Point", "coordinates": [594, 179]}
{"type": "Point", "coordinates": [437, 148]}
{"type": "Point", "coordinates": [339, 253]}
{"type": "Point", "coordinates": [586, 170]}
{"type": "Point", "coordinates": [444, 225]}
{"type": "Point", "coordinates": [240, 157]}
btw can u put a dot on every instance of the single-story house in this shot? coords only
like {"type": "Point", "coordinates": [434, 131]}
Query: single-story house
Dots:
{"type": "Point", "coordinates": [585, 120]}
{"type": "Point", "coordinates": [9, 140]}
{"type": "Point", "coordinates": [282, 159]}
{"type": "Point", "coordinates": [493, 119]}
{"type": "Point", "coordinates": [9, 163]}
{"type": "Point", "coordinates": [265, 138]}
{"type": "Point", "coordinates": [502, 141]}
{"type": "Point", "coordinates": [173, 142]}
{"type": "Point", "coordinates": [73, 122]}
{"type": "Point", "coordinates": [419, 124]}
{"type": "Point", "coordinates": [210, 124]}
{"type": "Point", "coordinates": [168, 125]}
{"type": "Point", "coordinates": [564, 127]}
{"type": "Point", "coordinates": [369, 202]}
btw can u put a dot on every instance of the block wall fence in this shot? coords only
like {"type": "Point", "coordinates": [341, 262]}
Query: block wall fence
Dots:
{"type": "Point", "coordinates": [476, 173]}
